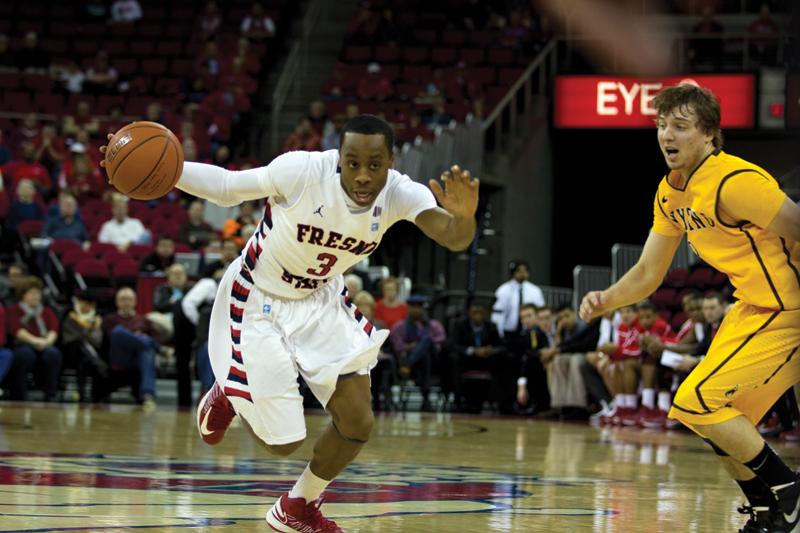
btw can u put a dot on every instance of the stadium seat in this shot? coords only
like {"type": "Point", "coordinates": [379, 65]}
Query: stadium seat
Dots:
{"type": "Point", "coordinates": [30, 228]}
{"type": "Point", "coordinates": [9, 81]}
{"type": "Point", "coordinates": [676, 278]}
{"type": "Point", "coordinates": [142, 48]}
{"type": "Point", "coordinates": [500, 56]}
{"type": "Point", "coordinates": [139, 251]}
{"type": "Point", "coordinates": [169, 48]}
{"type": "Point", "coordinates": [72, 257]}
{"type": "Point", "coordinates": [125, 273]}
{"type": "Point", "coordinates": [387, 54]}
{"type": "Point", "coordinates": [700, 278]}
{"type": "Point", "coordinates": [664, 298]}
{"type": "Point", "coordinates": [99, 249]}
{"type": "Point", "coordinates": [444, 56]}
{"type": "Point", "coordinates": [678, 319]}
{"type": "Point", "coordinates": [59, 247]}
{"type": "Point", "coordinates": [456, 38]}
{"type": "Point", "coordinates": [415, 54]}
{"type": "Point", "coordinates": [473, 56]}
{"type": "Point", "coordinates": [417, 72]}
{"type": "Point", "coordinates": [357, 54]}
{"type": "Point", "coordinates": [427, 37]}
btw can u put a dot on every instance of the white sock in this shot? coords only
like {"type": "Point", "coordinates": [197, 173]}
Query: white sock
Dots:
{"type": "Point", "coordinates": [630, 401]}
{"type": "Point", "coordinates": [664, 401]}
{"type": "Point", "coordinates": [649, 398]}
{"type": "Point", "coordinates": [308, 486]}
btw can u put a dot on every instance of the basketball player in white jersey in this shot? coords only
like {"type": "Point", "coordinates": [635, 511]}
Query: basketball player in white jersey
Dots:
{"type": "Point", "coordinates": [282, 308]}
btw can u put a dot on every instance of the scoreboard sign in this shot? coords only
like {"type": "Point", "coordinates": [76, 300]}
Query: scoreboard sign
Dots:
{"type": "Point", "coordinates": [626, 102]}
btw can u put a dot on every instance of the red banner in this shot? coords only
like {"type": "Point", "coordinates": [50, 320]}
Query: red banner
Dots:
{"type": "Point", "coordinates": [626, 102]}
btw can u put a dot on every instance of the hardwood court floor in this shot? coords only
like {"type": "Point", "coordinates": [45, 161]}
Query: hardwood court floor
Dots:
{"type": "Point", "coordinates": [67, 468]}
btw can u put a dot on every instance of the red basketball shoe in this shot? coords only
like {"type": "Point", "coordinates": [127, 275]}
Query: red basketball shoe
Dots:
{"type": "Point", "coordinates": [214, 415]}
{"type": "Point", "coordinates": [294, 515]}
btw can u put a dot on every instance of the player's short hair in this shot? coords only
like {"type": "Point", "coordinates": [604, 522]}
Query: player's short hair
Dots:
{"type": "Point", "coordinates": [702, 101]}
{"type": "Point", "coordinates": [531, 307]}
{"type": "Point", "coordinates": [369, 125]}
{"type": "Point", "coordinates": [646, 305]}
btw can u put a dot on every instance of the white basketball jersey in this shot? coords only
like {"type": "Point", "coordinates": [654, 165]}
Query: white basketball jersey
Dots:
{"type": "Point", "coordinates": [303, 242]}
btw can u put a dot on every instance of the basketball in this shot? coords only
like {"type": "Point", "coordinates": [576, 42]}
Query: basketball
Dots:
{"type": "Point", "coordinates": [144, 160]}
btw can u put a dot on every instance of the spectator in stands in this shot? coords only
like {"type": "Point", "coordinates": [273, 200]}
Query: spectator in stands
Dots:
{"type": "Point", "coordinates": [546, 323]}
{"type": "Point", "coordinates": [70, 77]}
{"type": "Point", "coordinates": [8, 63]}
{"type": "Point", "coordinates": [155, 113]}
{"type": "Point", "coordinates": [574, 339]}
{"type": "Point", "coordinates": [353, 284]}
{"type": "Point", "coordinates": [250, 60]}
{"type": "Point", "coordinates": [80, 176]}
{"type": "Point", "coordinates": [101, 78]}
{"type": "Point", "coordinates": [81, 342]}
{"type": "Point", "coordinates": [476, 14]}
{"type": "Point", "coordinates": [192, 317]}
{"type": "Point", "coordinates": [363, 27]}
{"type": "Point", "coordinates": [132, 348]}
{"type": "Point", "coordinates": [114, 122]}
{"type": "Point", "coordinates": [229, 251]}
{"type": "Point", "coordinates": [160, 259]}
{"type": "Point", "coordinates": [50, 150]}
{"type": "Point", "coordinates": [438, 116]}
{"type": "Point", "coordinates": [6, 355]}
{"type": "Point", "coordinates": [764, 33]}
{"type": "Point", "coordinates": [5, 150]}
{"type": "Point", "coordinates": [331, 133]}
{"type": "Point", "coordinates": [32, 57]}
{"type": "Point", "coordinates": [511, 295]}
{"type": "Point", "coordinates": [685, 341]}
{"type": "Point", "coordinates": [30, 129]}
{"type": "Point", "coordinates": [239, 76]}
{"type": "Point", "coordinates": [417, 342]}
{"type": "Point", "coordinates": [317, 116]}
{"type": "Point", "coordinates": [257, 25]}
{"type": "Point", "coordinates": [524, 348]}
{"type": "Point", "coordinates": [27, 168]}
{"type": "Point", "coordinates": [81, 120]}
{"type": "Point", "coordinates": [96, 10]}
{"type": "Point", "coordinates": [382, 375]}
{"type": "Point", "coordinates": [705, 50]}
{"type": "Point", "coordinates": [374, 86]}
{"type": "Point", "coordinates": [303, 138]}
{"type": "Point", "coordinates": [714, 307]}
{"type": "Point", "coordinates": [654, 328]}
{"type": "Point", "coordinates": [387, 31]}
{"type": "Point", "coordinates": [210, 64]}
{"type": "Point", "coordinates": [24, 207]}
{"type": "Point", "coordinates": [241, 228]}
{"type": "Point", "coordinates": [210, 21]}
{"type": "Point", "coordinates": [335, 88]}
{"type": "Point", "coordinates": [477, 346]}
{"type": "Point", "coordinates": [165, 298]}
{"type": "Point", "coordinates": [66, 222]}
{"type": "Point", "coordinates": [125, 11]}
{"type": "Point", "coordinates": [34, 329]}
{"type": "Point", "coordinates": [10, 283]}
{"type": "Point", "coordinates": [390, 309]}
{"type": "Point", "coordinates": [196, 232]}
{"type": "Point", "coordinates": [121, 230]}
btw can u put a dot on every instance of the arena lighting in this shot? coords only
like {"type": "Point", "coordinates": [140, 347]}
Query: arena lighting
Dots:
{"type": "Point", "coordinates": [625, 102]}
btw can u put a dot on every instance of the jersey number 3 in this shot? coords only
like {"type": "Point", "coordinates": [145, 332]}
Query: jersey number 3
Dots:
{"type": "Point", "coordinates": [325, 266]}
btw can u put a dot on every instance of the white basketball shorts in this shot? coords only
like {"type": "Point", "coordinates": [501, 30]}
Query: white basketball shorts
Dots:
{"type": "Point", "coordinates": [259, 344]}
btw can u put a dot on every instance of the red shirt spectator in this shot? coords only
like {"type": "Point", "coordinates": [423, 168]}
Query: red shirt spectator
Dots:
{"type": "Point", "coordinates": [257, 25]}
{"type": "Point", "coordinates": [303, 138]}
{"type": "Point", "coordinates": [17, 170]}
{"type": "Point", "coordinates": [135, 322]}
{"type": "Point", "coordinates": [81, 178]}
{"type": "Point", "coordinates": [389, 309]}
{"type": "Point", "coordinates": [18, 320]}
{"type": "Point", "coordinates": [374, 86]}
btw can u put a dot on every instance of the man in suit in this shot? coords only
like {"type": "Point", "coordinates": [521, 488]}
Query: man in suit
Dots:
{"type": "Point", "coordinates": [530, 373]}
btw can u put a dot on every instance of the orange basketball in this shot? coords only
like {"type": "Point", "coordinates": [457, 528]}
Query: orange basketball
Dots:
{"type": "Point", "coordinates": [144, 160]}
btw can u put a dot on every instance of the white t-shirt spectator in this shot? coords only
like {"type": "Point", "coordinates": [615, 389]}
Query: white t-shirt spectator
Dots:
{"type": "Point", "coordinates": [126, 11]}
{"type": "Point", "coordinates": [505, 312]}
{"type": "Point", "coordinates": [131, 230]}
{"type": "Point", "coordinates": [203, 292]}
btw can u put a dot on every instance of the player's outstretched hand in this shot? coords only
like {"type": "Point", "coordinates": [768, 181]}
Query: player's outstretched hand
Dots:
{"type": "Point", "coordinates": [103, 150]}
{"type": "Point", "coordinates": [593, 304]}
{"type": "Point", "coordinates": [460, 193]}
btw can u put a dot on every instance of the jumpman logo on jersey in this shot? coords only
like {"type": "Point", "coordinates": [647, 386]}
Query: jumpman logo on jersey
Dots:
{"type": "Point", "coordinates": [318, 211]}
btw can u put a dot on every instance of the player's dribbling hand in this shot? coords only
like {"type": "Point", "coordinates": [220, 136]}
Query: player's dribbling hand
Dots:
{"type": "Point", "coordinates": [459, 196]}
{"type": "Point", "coordinates": [103, 150]}
{"type": "Point", "coordinates": [592, 305]}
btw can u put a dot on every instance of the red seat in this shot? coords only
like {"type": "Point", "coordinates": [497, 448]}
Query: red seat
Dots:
{"type": "Point", "coordinates": [500, 56]}
{"type": "Point", "coordinates": [72, 257]}
{"type": "Point", "coordinates": [154, 66]}
{"type": "Point", "coordinates": [126, 66]}
{"type": "Point", "coordinates": [509, 75]}
{"type": "Point", "coordinates": [676, 278]}
{"type": "Point", "coordinates": [387, 54]}
{"type": "Point", "coordinates": [482, 38]}
{"type": "Point", "coordinates": [30, 228]}
{"type": "Point", "coordinates": [170, 48]}
{"type": "Point", "coordinates": [415, 54]}
{"type": "Point", "coordinates": [94, 272]}
{"type": "Point", "coordinates": [9, 80]}
{"type": "Point", "coordinates": [455, 38]}
{"type": "Point", "coordinates": [100, 249]}
{"type": "Point", "coordinates": [664, 298]}
{"type": "Point", "coordinates": [678, 320]}
{"type": "Point", "coordinates": [54, 46]}
{"type": "Point", "coordinates": [417, 72]}
{"type": "Point", "coordinates": [444, 56]}
{"type": "Point", "coordinates": [181, 67]}
{"type": "Point", "coordinates": [700, 278]}
{"type": "Point", "coordinates": [125, 272]}
{"type": "Point", "coordinates": [473, 56]}
{"type": "Point", "coordinates": [357, 54]}
{"type": "Point", "coordinates": [138, 251]}
{"type": "Point", "coordinates": [50, 103]}
{"type": "Point", "coordinates": [142, 48]}
{"type": "Point", "coordinates": [183, 248]}
{"type": "Point", "coordinates": [20, 102]}
{"type": "Point", "coordinates": [482, 75]}
{"type": "Point", "coordinates": [86, 48]}
{"type": "Point", "coordinates": [115, 47]}
{"type": "Point", "coordinates": [59, 247]}
{"type": "Point", "coordinates": [115, 256]}
{"type": "Point", "coordinates": [423, 36]}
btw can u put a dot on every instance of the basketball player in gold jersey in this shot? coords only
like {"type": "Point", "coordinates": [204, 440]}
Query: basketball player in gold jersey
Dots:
{"type": "Point", "coordinates": [739, 221]}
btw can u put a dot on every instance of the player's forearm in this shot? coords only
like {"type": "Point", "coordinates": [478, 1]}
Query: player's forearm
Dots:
{"type": "Point", "coordinates": [459, 233]}
{"type": "Point", "coordinates": [221, 186]}
{"type": "Point", "coordinates": [636, 285]}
